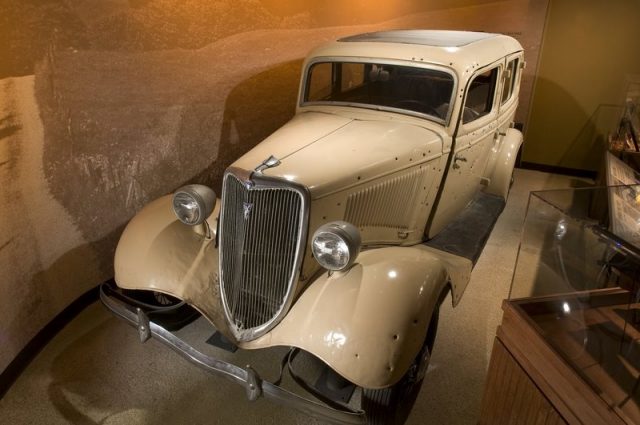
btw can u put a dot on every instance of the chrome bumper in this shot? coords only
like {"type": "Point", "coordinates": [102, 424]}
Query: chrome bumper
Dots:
{"type": "Point", "coordinates": [247, 378]}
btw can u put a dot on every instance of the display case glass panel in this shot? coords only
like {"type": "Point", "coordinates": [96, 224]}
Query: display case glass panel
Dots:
{"type": "Point", "coordinates": [576, 281]}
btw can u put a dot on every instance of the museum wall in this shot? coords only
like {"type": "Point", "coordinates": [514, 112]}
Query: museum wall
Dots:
{"type": "Point", "coordinates": [589, 57]}
{"type": "Point", "coordinates": [106, 105]}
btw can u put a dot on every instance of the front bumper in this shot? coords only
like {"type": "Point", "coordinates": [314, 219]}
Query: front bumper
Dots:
{"type": "Point", "coordinates": [247, 378]}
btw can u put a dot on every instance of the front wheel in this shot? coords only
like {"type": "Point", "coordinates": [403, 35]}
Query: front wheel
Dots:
{"type": "Point", "coordinates": [392, 405]}
{"type": "Point", "coordinates": [167, 311]}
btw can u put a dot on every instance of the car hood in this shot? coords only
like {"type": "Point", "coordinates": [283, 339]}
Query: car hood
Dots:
{"type": "Point", "coordinates": [328, 153]}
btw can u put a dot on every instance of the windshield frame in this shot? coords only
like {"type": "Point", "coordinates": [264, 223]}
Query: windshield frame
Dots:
{"type": "Point", "coordinates": [383, 61]}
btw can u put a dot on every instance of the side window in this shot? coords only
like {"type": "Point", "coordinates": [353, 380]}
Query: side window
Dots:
{"type": "Point", "coordinates": [480, 96]}
{"type": "Point", "coordinates": [509, 80]}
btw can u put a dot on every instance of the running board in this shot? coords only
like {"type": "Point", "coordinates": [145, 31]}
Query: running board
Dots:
{"type": "Point", "coordinates": [467, 235]}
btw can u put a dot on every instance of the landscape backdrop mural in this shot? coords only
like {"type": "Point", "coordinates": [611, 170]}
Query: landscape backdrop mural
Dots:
{"type": "Point", "coordinates": [108, 104]}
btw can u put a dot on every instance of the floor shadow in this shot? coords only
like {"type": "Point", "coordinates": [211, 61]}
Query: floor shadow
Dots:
{"type": "Point", "coordinates": [72, 374]}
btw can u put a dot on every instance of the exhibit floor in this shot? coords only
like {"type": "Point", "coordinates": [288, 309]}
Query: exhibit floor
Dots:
{"type": "Point", "coordinates": [95, 371]}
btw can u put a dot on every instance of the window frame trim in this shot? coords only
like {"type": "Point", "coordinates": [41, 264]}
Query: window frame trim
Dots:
{"type": "Point", "coordinates": [495, 105]}
{"type": "Point", "coordinates": [371, 60]}
{"type": "Point", "coordinates": [516, 74]}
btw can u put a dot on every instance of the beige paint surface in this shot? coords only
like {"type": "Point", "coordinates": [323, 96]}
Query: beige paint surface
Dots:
{"type": "Point", "coordinates": [120, 125]}
{"type": "Point", "coordinates": [590, 48]}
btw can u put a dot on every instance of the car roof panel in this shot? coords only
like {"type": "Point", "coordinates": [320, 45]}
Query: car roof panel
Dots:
{"type": "Point", "coordinates": [421, 37]}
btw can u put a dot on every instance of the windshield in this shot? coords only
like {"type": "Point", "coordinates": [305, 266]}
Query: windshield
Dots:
{"type": "Point", "coordinates": [421, 90]}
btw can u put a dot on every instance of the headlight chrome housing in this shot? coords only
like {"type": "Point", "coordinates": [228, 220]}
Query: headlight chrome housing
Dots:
{"type": "Point", "coordinates": [336, 245]}
{"type": "Point", "coordinates": [193, 203]}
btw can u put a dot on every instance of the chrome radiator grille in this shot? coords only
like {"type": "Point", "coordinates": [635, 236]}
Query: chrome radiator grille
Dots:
{"type": "Point", "coordinates": [262, 236]}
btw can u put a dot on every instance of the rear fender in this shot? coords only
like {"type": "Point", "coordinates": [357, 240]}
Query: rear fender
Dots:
{"type": "Point", "coordinates": [368, 323]}
{"type": "Point", "coordinates": [159, 253]}
{"type": "Point", "coordinates": [503, 161]}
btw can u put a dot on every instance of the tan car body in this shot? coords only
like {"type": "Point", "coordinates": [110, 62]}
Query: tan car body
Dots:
{"type": "Point", "coordinates": [368, 322]}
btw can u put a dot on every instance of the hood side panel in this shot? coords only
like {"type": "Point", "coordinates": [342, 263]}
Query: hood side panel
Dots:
{"type": "Point", "coordinates": [391, 210]}
{"type": "Point", "coordinates": [356, 153]}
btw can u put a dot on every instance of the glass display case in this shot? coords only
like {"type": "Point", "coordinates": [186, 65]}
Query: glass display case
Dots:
{"type": "Point", "coordinates": [577, 285]}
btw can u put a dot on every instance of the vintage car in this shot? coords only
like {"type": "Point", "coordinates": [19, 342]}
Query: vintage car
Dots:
{"type": "Point", "coordinates": [342, 233]}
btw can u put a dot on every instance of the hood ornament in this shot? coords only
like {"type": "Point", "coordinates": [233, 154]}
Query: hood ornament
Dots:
{"type": "Point", "coordinates": [270, 162]}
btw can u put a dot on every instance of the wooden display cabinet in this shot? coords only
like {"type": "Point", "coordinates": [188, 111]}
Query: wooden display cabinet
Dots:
{"type": "Point", "coordinates": [568, 348]}
{"type": "Point", "coordinates": [550, 367]}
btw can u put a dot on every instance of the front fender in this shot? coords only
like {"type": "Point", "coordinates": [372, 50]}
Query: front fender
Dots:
{"type": "Point", "coordinates": [159, 253]}
{"type": "Point", "coordinates": [503, 163]}
{"type": "Point", "coordinates": [368, 323]}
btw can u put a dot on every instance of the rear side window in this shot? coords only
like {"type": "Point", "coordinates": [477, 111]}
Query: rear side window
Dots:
{"type": "Point", "coordinates": [509, 80]}
{"type": "Point", "coordinates": [480, 96]}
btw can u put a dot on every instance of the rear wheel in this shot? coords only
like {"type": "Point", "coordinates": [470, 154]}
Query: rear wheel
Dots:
{"type": "Point", "coordinates": [392, 405]}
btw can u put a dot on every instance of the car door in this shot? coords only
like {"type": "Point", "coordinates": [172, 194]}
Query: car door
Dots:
{"type": "Point", "coordinates": [472, 145]}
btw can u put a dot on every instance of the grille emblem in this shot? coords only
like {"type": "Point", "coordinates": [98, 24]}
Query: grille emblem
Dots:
{"type": "Point", "coordinates": [246, 208]}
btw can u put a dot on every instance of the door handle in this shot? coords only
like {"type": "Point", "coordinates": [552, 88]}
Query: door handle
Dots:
{"type": "Point", "coordinates": [456, 159]}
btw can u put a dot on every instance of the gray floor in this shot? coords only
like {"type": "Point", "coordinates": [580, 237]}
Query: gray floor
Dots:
{"type": "Point", "coordinates": [96, 372]}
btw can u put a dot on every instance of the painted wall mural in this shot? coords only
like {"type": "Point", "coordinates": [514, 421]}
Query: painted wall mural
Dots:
{"type": "Point", "coordinates": [106, 105]}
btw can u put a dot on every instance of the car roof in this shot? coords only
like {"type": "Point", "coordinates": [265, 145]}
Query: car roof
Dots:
{"type": "Point", "coordinates": [464, 51]}
{"type": "Point", "coordinates": [422, 37]}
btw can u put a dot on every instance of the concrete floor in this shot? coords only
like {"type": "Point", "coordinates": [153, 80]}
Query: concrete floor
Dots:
{"type": "Point", "coordinates": [96, 372]}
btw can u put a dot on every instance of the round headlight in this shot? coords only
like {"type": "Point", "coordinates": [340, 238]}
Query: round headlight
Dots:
{"type": "Point", "coordinates": [193, 203]}
{"type": "Point", "coordinates": [336, 245]}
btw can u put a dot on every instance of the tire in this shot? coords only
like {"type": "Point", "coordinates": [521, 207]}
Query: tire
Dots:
{"type": "Point", "coordinates": [163, 309]}
{"type": "Point", "coordinates": [392, 405]}
{"type": "Point", "coordinates": [167, 311]}
{"type": "Point", "coordinates": [151, 299]}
